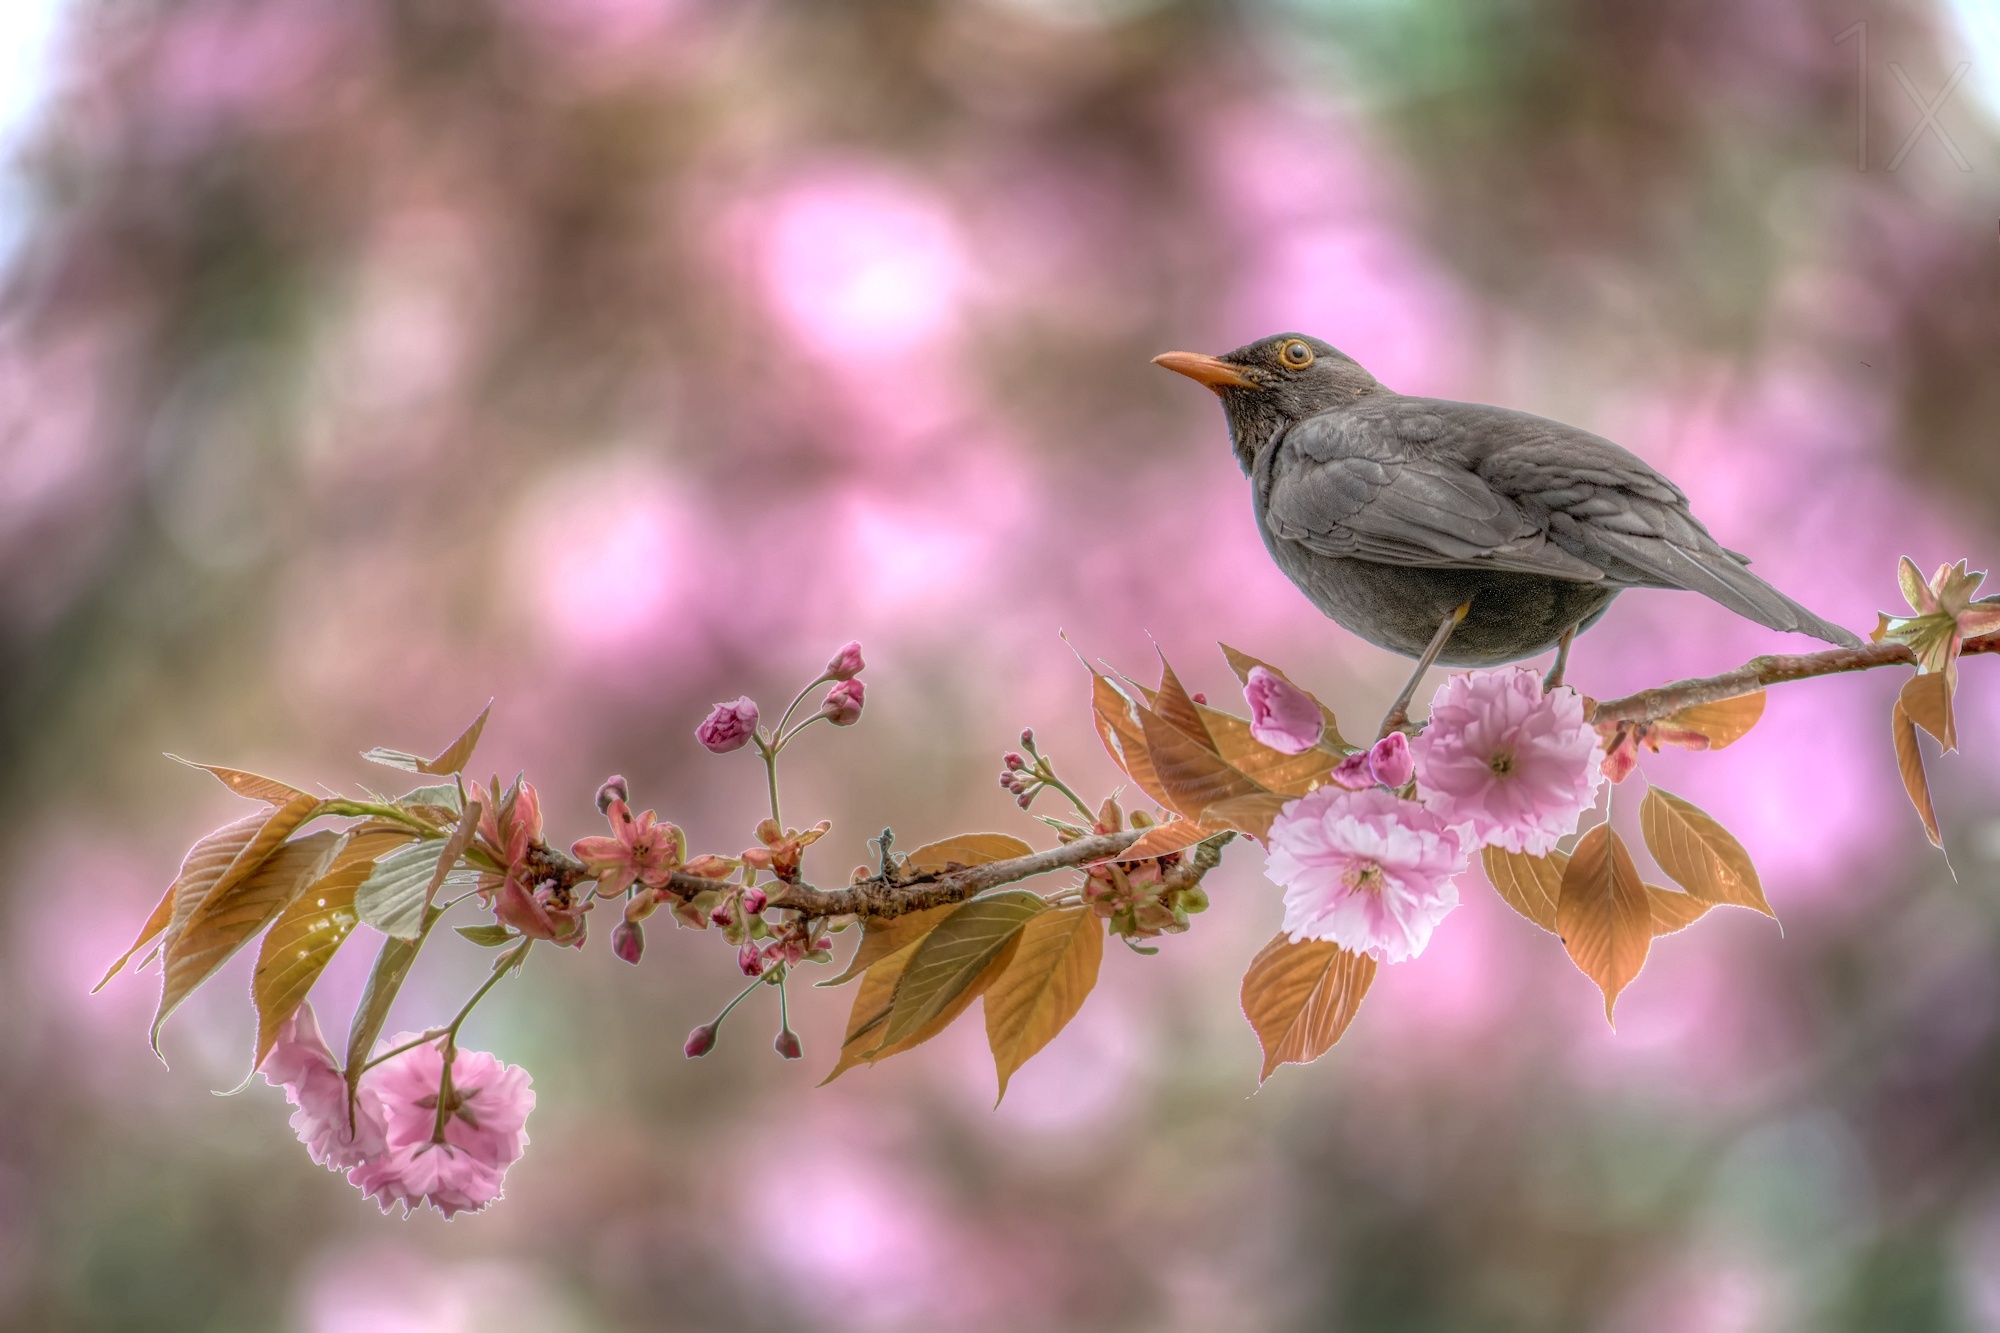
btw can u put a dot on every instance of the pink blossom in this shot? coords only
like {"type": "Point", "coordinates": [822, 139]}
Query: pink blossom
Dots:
{"type": "Point", "coordinates": [482, 1130]}
{"type": "Point", "coordinates": [842, 705]}
{"type": "Point", "coordinates": [641, 850]}
{"type": "Point", "coordinates": [728, 726]}
{"type": "Point", "coordinates": [628, 940]}
{"type": "Point", "coordinates": [301, 1063]}
{"type": "Point", "coordinates": [1515, 765]}
{"type": "Point", "coordinates": [1282, 715]}
{"type": "Point", "coordinates": [1366, 869]}
{"type": "Point", "coordinates": [846, 663]}
{"type": "Point", "coordinates": [1387, 762]}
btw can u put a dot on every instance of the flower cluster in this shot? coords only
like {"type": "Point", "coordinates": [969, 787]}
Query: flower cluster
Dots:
{"type": "Point", "coordinates": [1137, 899]}
{"type": "Point", "coordinates": [418, 1131]}
{"type": "Point", "coordinates": [1946, 616]}
{"type": "Point", "coordinates": [521, 896]}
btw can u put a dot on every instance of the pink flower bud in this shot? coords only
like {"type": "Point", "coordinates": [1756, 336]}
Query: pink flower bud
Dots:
{"type": "Point", "coordinates": [1391, 761]}
{"type": "Point", "coordinates": [1027, 738]}
{"type": "Point", "coordinates": [612, 790]}
{"type": "Point", "coordinates": [700, 1042]}
{"type": "Point", "coordinates": [755, 901]}
{"type": "Point", "coordinates": [1353, 772]}
{"type": "Point", "coordinates": [787, 1044]}
{"type": "Point", "coordinates": [720, 914]}
{"type": "Point", "coordinates": [1282, 715]}
{"type": "Point", "coordinates": [842, 706]}
{"type": "Point", "coordinates": [1199, 697]}
{"type": "Point", "coordinates": [846, 663]}
{"type": "Point", "coordinates": [1025, 799]}
{"type": "Point", "coordinates": [823, 944]}
{"type": "Point", "coordinates": [1015, 763]}
{"type": "Point", "coordinates": [750, 959]}
{"type": "Point", "coordinates": [628, 940]}
{"type": "Point", "coordinates": [728, 726]}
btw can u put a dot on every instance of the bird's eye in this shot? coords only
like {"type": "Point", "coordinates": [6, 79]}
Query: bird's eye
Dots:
{"type": "Point", "coordinates": [1296, 354]}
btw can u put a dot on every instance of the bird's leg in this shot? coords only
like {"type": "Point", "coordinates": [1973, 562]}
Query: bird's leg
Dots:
{"type": "Point", "coordinates": [1555, 676]}
{"type": "Point", "coordinates": [1399, 712]}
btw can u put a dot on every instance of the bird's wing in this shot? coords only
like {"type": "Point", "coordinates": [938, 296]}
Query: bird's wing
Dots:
{"type": "Point", "coordinates": [1368, 485]}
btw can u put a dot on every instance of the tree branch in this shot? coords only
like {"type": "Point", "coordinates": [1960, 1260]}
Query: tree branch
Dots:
{"type": "Point", "coordinates": [1652, 705]}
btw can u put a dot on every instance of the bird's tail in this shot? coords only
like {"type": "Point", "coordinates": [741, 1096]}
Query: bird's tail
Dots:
{"type": "Point", "coordinates": [1720, 576]}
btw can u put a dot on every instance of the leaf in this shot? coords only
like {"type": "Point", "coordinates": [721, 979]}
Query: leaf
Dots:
{"type": "Point", "coordinates": [1241, 663]}
{"type": "Point", "coordinates": [954, 954]}
{"type": "Point", "coordinates": [1603, 915]}
{"type": "Point", "coordinates": [1301, 997]}
{"type": "Point", "coordinates": [304, 938]}
{"type": "Point", "coordinates": [1286, 774]}
{"type": "Point", "coordinates": [393, 897]}
{"type": "Point", "coordinates": [881, 937]}
{"type": "Point", "coordinates": [441, 796]}
{"type": "Point", "coordinates": [1124, 739]}
{"type": "Point", "coordinates": [488, 936]}
{"type": "Point", "coordinates": [877, 997]}
{"type": "Point", "coordinates": [1698, 853]}
{"type": "Point", "coordinates": [253, 785]}
{"type": "Point", "coordinates": [232, 914]}
{"type": "Point", "coordinates": [1910, 760]}
{"type": "Point", "coordinates": [968, 849]}
{"type": "Point", "coordinates": [1054, 968]}
{"type": "Point", "coordinates": [1723, 722]}
{"type": "Point", "coordinates": [1252, 813]}
{"type": "Point", "coordinates": [1173, 836]}
{"type": "Point", "coordinates": [453, 759]}
{"type": "Point", "coordinates": [392, 964]}
{"type": "Point", "coordinates": [1174, 707]}
{"type": "Point", "coordinates": [1927, 699]}
{"type": "Point", "coordinates": [1192, 776]}
{"type": "Point", "coordinates": [1531, 885]}
{"type": "Point", "coordinates": [454, 847]}
{"type": "Point", "coordinates": [1672, 910]}
{"type": "Point", "coordinates": [202, 866]}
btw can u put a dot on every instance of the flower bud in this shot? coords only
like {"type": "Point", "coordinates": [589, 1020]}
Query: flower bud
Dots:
{"type": "Point", "coordinates": [842, 705]}
{"type": "Point", "coordinates": [755, 900]}
{"type": "Point", "coordinates": [787, 1044]}
{"type": "Point", "coordinates": [1391, 761]}
{"type": "Point", "coordinates": [1282, 715]}
{"type": "Point", "coordinates": [613, 790]}
{"type": "Point", "coordinates": [1199, 697]}
{"type": "Point", "coordinates": [1025, 799]}
{"type": "Point", "coordinates": [700, 1042]}
{"type": "Point", "coordinates": [823, 944]}
{"type": "Point", "coordinates": [628, 940]}
{"type": "Point", "coordinates": [1193, 898]}
{"type": "Point", "coordinates": [1015, 763]}
{"type": "Point", "coordinates": [710, 866]}
{"type": "Point", "coordinates": [750, 959]}
{"type": "Point", "coordinates": [720, 913]}
{"type": "Point", "coordinates": [728, 726]}
{"type": "Point", "coordinates": [846, 663]}
{"type": "Point", "coordinates": [1027, 738]}
{"type": "Point", "coordinates": [1110, 817]}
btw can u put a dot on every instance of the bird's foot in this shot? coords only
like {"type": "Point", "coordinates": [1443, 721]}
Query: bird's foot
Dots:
{"type": "Point", "coordinates": [1398, 716]}
{"type": "Point", "coordinates": [1555, 676]}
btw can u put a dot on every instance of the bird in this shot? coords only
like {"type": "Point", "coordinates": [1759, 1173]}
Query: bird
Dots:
{"type": "Point", "coordinates": [1458, 533]}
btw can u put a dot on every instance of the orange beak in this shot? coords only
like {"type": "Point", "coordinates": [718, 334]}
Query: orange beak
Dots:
{"type": "Point", "coordinates": [1213, 371]}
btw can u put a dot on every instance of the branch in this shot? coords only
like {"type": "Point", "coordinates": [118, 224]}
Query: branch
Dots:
{"type": "Point", "coordinates": [880, 896]}
{"type": "Point", "coordinates": [1652, 705]}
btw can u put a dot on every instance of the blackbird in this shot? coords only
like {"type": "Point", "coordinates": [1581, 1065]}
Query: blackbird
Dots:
{"type": "Point", "coordinates": [1457, 532]}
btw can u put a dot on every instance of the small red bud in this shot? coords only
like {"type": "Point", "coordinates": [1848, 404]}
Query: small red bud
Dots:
{"type": "Point", "coordinates": [787, 1044]}
{"type": "Point", "coordinates": [842, 706]}
{"type": "Point", "coordinates": [1013, 760]}
{"type": "Point", "coordinates": [823, 944]}
{"type": "Point", "coordinates": [750, 959]}
{"type": "Point", "coordinates": [1027, 738]}
{"type": "Point", "coordinates": [1199, 697]}
{"type": "Point", "coordinates": [628, 941]}
{"type": "Point", "coordinates": [700, 1042]}
{"type": "Point", "coordinates": [614, 789]}
{"type": "Point", "coordinates": [1025, 799]}
{"type": "Point", "coordinates": [720, 914]}
{"type": "Point", "coordinates": [755, 901]}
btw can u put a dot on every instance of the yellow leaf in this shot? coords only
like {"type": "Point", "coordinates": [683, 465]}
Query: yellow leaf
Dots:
{"type": "Point", "coordinates": [253, 785]}
{"type": "Point", "coordinates": [882, 936]}
{"type": "Point", "coordinates": [235, 912]}
{"type": "Point", "coordinates": [1301, 997]}
{"type": "Point", "coordinates": [1673, 910]}
{"type": "Point", "coordinates": [1910, 760]}
{"type": "Point", "coordinates": [955, 954]}
{"type": "Point", "coordinates": [1192, 776]}
{"type": "Point", "coordinates": [877, 996]}
{"type": "Point", "coordinates": [1173, 836]}
{"type": "Point", "coordinates": [1286, 774]}
{"type": "Point", "coordinates": [1698, 853]}
{"type": "Point", "coordinates": [968, 849]}
{"type": "Point", "coordinates": [1124, 739]}
{"type": "Point", "coordinates": [202, 866]}
{"type": "Point", "coordinates": [303, 939]}
{"type": "Point", "coordinates": [1723, 722]}
{"type": "Point", "coordinates": [459, 752]}
{"type": "Point", "coordinates": [1531, 885]}
{"type": "Point", "coordinates": [1603, 915]}
{"type": "Point", "coordinates": [1251, 812]}
{"type": "Point", "coordinates": [1241, 663]}
{"type": "Point", "coordinates": [1053, 970]}
{"type": "Point", "coordinates": [1927, 699]}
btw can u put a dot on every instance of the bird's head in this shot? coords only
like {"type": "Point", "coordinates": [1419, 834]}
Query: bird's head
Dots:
{"type": "Point", "coordinates": [1268, 385]}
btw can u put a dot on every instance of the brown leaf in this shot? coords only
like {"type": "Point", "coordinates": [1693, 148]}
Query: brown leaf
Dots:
{"type": "Point", "coordinates": [881, 937]}
{"type": "Point", "coordinates": [1531, 885]}
{"type": "Point", "coordinates": [454, 846]}
{"type": "Point", "coordinates": [1927, 699]}
{"type": "Point", "coordinates": [253, 785]}
{"type": "Point", "coordinates": [876, 997]}
{"type": "Point", "coordinates": [1241, 662]}
{"type": "Point", "coordinates": [1175, 708]}
{"type": "Point", "coordinates": [233, 913]}
{"type": "Point", "coordinates": [1910, 760]}
{"type": "Point", "coordinates": [955, 954]}
{"type": "Point", "coordinates": [1173, 836]}
{"type": "Point", "coordinates": [1252, 813]}
{"type": "Point", "coordinates": [453, 759]}
{"type": "Point", "coordinates": [1053, 970]}
{"type": "Point", "coordinates": [1286, 774]}
{"type": "Point", "coordinates": [1698, 853]}
{"type": "Point", "coordinates": [1124, 738]}
{"type": "Point", "coordinates": [1192, 776]}
{"type": "Point", "coordinates": [304, 938]}
{"type": "Point", "coordinates": [1603, 915]}
{"type": "Point", "coordinates": [1673, 910]}
{"type": "Point", "coordinates": [968, 849]}
{"type": "Point", "coordinates": [1724, 721]}
{"type": "Point", "coordinates": [1301, 997]}
{"type": "Point", "coordinates": [204, 863]}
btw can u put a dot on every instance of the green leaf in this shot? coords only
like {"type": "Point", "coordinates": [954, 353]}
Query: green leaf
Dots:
{"type": "Point", "coordinates": [954, 955]}
{"type": "Point", "coordinates": [393, 897]}
{"type": "Point", "coordinates": [392, 965]}
{"type": "Point", "coordinates": [488, 936]}
{"type": "Point", "coordinates": [442, 795]}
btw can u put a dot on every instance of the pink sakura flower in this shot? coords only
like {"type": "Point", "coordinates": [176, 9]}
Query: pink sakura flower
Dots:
{"type": "Point", "coordinates": [300, 1063]}
{"type": "Point", "coordinates": [842, 705]}
{"type": "Point", "coordinates": [728, 726]}
{"type": "Point", "coordinates": [1512, 764]}
{"type": "Point", "coordinates": [1387, 762]}
{"type": "Point", "coordinates": [445, 1145]}
{"type": "Point", "coordinates": [846, 663]}
{"type": "Point", "coordinates": [1366, 869]}
{"type": "Point", "coordinates": [510, 826]}
{"type": "Point", "coordinates": [1282, 715]}
{"type": "Point", "coordinates": [641, 850]}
